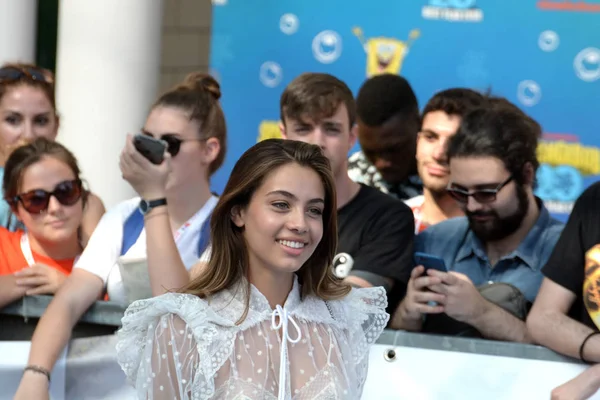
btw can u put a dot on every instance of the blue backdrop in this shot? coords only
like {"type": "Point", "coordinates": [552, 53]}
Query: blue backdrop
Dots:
{"type": "Point", "coordinates": [542, 55]}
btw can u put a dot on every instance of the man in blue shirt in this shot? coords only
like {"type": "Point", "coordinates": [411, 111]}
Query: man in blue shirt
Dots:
{"type": "Point", "coordinates": [506, 235]}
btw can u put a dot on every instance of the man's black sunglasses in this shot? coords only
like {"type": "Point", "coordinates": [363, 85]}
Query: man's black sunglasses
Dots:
{"type": "Point", "coordinates": [481, 196]}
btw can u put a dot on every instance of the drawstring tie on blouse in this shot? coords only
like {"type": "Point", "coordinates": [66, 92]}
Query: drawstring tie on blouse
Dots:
{"type": "Point", "coordinates": [285, 337]}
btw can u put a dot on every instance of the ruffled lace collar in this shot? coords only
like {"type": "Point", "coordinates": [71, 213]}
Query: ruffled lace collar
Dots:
{"type": "Point", "coordinates": [231, 303]}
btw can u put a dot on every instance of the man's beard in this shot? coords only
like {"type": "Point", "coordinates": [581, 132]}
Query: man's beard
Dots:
{"type": "Point", "coordinates": [498, 228]}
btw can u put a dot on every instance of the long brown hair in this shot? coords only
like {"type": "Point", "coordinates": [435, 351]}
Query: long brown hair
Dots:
{"type": "Point", "coordinates": [229, 256]}
{"type": "Point", "coordinates": [199, 95]}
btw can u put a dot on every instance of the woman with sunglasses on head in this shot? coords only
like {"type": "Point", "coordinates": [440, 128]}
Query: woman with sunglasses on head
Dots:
{"type": "Point", "coordinates": [42, 185]}
{"type": "Point", "coordinates": [28, 111]}
{"type": "Point", "coordinates": [171, 214]}
{"type": "Point", "coordinates": [267, 319]}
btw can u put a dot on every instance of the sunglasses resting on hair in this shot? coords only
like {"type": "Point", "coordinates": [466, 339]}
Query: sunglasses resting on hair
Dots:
{"type": "Point", "coordinates": [14, 74]}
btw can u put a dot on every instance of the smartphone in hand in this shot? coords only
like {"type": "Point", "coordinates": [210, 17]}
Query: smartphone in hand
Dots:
{"type": "Point", "coordinates": [151, 148]}
{"type": "Point", "coordinates": [430, 261]}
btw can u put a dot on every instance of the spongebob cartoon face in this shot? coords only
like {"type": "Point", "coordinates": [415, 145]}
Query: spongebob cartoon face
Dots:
{"type": "Point", "coordinates": [268, 130]}
{"type": "Point", "coordinates": [384, 56]}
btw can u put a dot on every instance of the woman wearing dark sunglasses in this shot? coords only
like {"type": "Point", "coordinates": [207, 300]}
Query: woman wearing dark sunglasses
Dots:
{"type": "Point", "coordinates": [28, 111]}
{"type": "Point", "coordinates": [173, 208]}
{"type": "Point", "coordinates": [43, 188]}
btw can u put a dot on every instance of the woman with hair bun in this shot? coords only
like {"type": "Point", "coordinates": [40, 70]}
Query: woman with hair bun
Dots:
{"type": "Point", "coordinates": [169, 218]}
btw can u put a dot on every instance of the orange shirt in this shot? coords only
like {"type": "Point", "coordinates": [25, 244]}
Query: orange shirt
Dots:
{"type": "Point", "coordinates": [13, 260]}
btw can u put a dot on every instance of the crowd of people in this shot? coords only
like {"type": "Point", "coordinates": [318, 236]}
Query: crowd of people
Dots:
{"type": "Point", "coordinates": [277, 287]}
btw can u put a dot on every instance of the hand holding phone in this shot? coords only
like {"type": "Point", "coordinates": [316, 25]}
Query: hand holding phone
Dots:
{"type": "Point", "coordinates": [430, 261]}
{"type": "Point", "coordinates": [419, 299]}
{"type": "Point", "coordinates": [420, 283]}
{"type": "Point", "coordinates": [151, 148]}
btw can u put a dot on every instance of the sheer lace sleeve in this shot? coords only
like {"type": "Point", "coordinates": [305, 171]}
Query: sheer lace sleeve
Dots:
{"type": "Point", "coordinates": [173, 361]}
{"type": "Point", "coordinates": [363, 312]}
{"type": "Point", "coordinates": [158, 347]}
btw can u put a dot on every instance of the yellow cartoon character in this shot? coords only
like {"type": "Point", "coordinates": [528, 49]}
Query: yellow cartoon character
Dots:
{"type": "Point", "coordinates": [268, 130]}
{"type": "Point", "coordinates": [385, 55]}
{"type": "Point", "coordinates": [591, 284]}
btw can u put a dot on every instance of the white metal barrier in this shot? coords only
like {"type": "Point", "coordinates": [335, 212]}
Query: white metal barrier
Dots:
{"type": "Point", "coordinates": [439, 374]}
{"type": "Point", "coordinates": [401, 366]}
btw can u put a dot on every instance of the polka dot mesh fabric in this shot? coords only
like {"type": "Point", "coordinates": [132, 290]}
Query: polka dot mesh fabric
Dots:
{"type": "Point", "coordinates": [178, 346]}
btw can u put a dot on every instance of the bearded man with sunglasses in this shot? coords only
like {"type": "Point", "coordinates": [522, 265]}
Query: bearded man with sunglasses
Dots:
{"type": "Point", "coordinates": [506, 236]}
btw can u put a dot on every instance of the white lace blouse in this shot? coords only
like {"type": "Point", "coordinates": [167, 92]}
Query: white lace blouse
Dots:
{"type": "Point", "coordinates": [178, 346]}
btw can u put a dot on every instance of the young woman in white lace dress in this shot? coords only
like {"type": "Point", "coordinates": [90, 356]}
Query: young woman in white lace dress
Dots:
{"type": "Point", "coordinates": [267, 319]}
